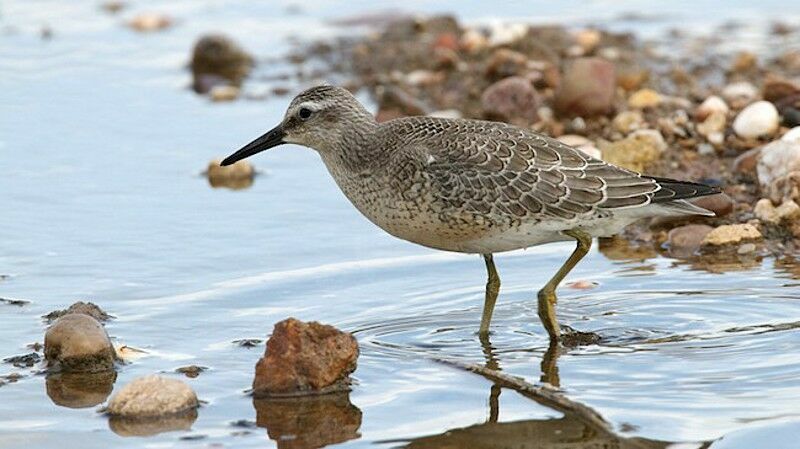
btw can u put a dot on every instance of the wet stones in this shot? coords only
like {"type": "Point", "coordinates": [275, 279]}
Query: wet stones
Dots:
{"type": "Point", "coordinates": [636, 151]}
{"type": "Point", "coordinates": [218, 60]}
{"type": "Point", "coordinates": [152, 397]}
{"type": "Point", "coordinates": [685, 240]}
{"type": "Point", "coordinates": [756, 120]}
{"type": "Point", "coordinates": [305, 358]}
{"type": "Point", "coordinates": [587, 88]}
{"type": "Point", "coordinates": [80, 307]}
{"type": "Point", "coordinates": [731, 234]}
{"type": "Point", "coordinates": [776, 160]}
{"type": "Point", "coordinates": [766, 211]}
{"type": "Point", "coordinates": [78, 343]}
{"type": "Point", "coordinates": [235, 176]}
{"type": "Point", "coordinates": [512, 99]}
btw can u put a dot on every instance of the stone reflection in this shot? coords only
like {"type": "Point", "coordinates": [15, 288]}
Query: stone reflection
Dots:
{"type": "Point", "coordinates": [309, 421]}
{"type": "Point", "coordinates": [80, 390]}
{"type": "Point", "coordinates": [621, 249]}
{"type": "Point", "coordinates": [143, 427]}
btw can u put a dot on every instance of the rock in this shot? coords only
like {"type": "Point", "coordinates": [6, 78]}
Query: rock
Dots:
{"type": "Point", "coordinates": [792, 136]}
{"type": "Point", "coordinates": [78, 343]}
{"type": "Point", "coordinates": [744, 61]}
{"type": "Point", "coordinates": [112, 6]}
{"type": "Point", "coordinates": [582, 285]}
{"type": "Point", "coordinates": [731, 234]}
{"type": "Point", "coordinates": [191, 371]}
{"type": "Point", "coordinates": [149, 22]}
{"type": "Point", "coordinates": [588, 39]}
{"type": "Point", "coordinates": [587, 88]}
{"type": "Point", "coordinates": [224, 93]}
{"type": "Point", "coordinates": [777, 159]}
{"type": "Point", "coordinates": [215, 55]}
{"type": "Point", "coordinates": [785, 188]}
{"type": "Point", "coordinates": [721, 204]}
{"type": "Point", "coordinates": [645, 98]}
{"type": "Point", "coordinates": [636, 151]}
{"type": "Point", "coordinates": [80, 390]}
{"type": "Point", "coordinates": [765, 211]}
{"type": "Point", "coordinates": [746, 162]}
{"type": "Point", "coordinates": [512, 99]}
{"type": "Point", "coordinates": [777, 88]}
{"type": "Point", "coordinates": [305, 358]}
{"type": "Point", "coordinates": [236, 176]}
{"type": "Point", "coordinates": [581, 143]}
{"type": "Point", "coordinates": [309, 422]}
{"type": "Point", "coordinates": [711, 105]}
{"type": "Point", "coordinates": [628, 121]}
{"type": "Point", "coordinates": [504, 63]}
{"type": "Point", "coordinates": [506, 33]}
{"type": "Point", "coordinates": [713, 128]}
{"type": "Point", "coordinates": [85, 308]}
{"type": "Point", "coordinates": [756, 120]}
{"type": "Point", "coordinates": [152, 397]}
{"type": "Point", "coordinates": [23, 361]}
{"type": "Point", "coordinates": [739, 92]}
{"type": "Point", "coordinates": [473, 41]}
{"type": "Point", "coordinates": [632, 78]}
{"type": "Point", "coordinates": [746, 248]}
{"type": "Point", "coordinates": [685, 240]}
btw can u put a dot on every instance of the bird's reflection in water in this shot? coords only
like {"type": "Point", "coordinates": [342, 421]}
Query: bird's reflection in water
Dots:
{"type": "Point", "coordinates": [80, 390]}
{"type": "Point", "coordinates": [571, 431]}
{"type": "Point", "coordinates": [309, 421]}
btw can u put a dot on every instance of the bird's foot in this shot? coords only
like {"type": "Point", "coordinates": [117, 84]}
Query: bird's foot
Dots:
{"type": "Point", "coordinates": [572, 338]}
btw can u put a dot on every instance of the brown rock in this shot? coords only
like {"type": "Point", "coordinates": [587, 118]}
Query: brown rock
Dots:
{"type": "Point", "coordinates": [684, 241]}
{"type": "Point", "coordinates": [219, 56]}
{"type": "Point", "coordinates": [236, 176]}
{"type": "Point", "coordinates": [731, 234]}
{"type": "Point", "coordinates": [149, 22]}
{"type": "Point", "coordinates": [512, 99]}
{"type": "Point", "coordinates": [305, 358]}
{"type": "Point", "coordinates": [744, 61]}
{"type": "Point", "coordinates": [308, 422]}
{"type": "Point", "coordinates": [777, 88]}
{"type": "Point", "coordinates": [587, 88]}
{"type": "Point", "coordinates": [152, 397]}
{"type": "Point", "coordinates": [78, 343]}
{"type": "Point", "coordinates": [85, 308]}
{"type": "Point", "coordinates": [721, 204]}
{"type": "Point", "coordinates": [786, 188]}
{"type": "Point", "coordinates": [504, 63]}
{"type": "Point", "coordinates": [645, 98]}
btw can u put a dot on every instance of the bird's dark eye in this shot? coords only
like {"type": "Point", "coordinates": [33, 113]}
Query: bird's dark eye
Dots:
{"type": "Point", "coordinates": [304, 113]}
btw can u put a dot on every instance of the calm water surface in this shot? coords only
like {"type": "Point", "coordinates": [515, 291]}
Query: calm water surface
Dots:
{"type": "Point", "coordinates": [101, 146]}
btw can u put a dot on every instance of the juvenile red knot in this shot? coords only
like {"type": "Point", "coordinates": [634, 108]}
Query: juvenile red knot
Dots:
{"type": "Point", "coordinates": [473, 186]}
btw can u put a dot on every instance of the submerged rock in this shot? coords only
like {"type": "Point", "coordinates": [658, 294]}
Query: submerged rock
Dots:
{"type": "Point", "coordinates": [636, 151]}
{"type": "Point", "coordinates": [78, 343]}
{"type": "Point", "coordinates": [80, 307]}
{"type": "Point", "coordinates": [756, 120]}
{"type": "Point", "coordinates": [587, 88]}
{"type": "Point", "coordinates": [236, 176]}
{"type": "Point", "coordinates": [512, 99]}
{"type": "Point", "coordinates": [684, 241]}
{"type": "Point", "coordinates": [153, 397]}
{"type": "Point", "coordinates": [731, 234]}
{"type": "Point", "coordinates": [216, 55]}
{"type": "Point", "coordinates": [305, 358]}
{"type": "Point", "coordinates": [149, 22]}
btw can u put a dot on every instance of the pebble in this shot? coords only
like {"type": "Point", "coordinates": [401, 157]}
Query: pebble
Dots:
{"type": "Point", "coordinates": [731, 234]}
{"type": "Point", "coordinates": [224, 93]}
{"type": "Point", "coordinates": [713, 127]}
{"type": "Point", "coordinates": [746, 248]}
{"type": "Point", "coordinates": [644, 98]}
{"type": "Point", "coordinates": [236, 176]}
{"type": "Point", "coordinates": [776, 160]}
{"type": "Point", "coordinates": [153, 397]}
{"type": "Point", "coordinates": [746, 162]}
{"type": "Point", "coordinates": [218, 60]}
{"type": "Point", "coordinates": [78, 343]}
{"type": "Point", "coordinates": [756, 120]}
{"type": "Point", "coordinates": [792, 136]}
{"type": "Point", "coordinates": [512, 99]}
{"type": "Point", "coordinates": [721, 204]}
{"type": "Point", "coordinates": [504, 63]}
{"type": "Point", "coordinates": [582, 285]}
{"type": "Point", "coordinates": [636, 151]}
{"type": "Point", "coordinates": [711, 105]}
{"type": "Point", "coordinates": [744, 61]}
{"type": "Point", "coordinates": [739, 92]}
{"type": "Point", "coordinates": [149, 22]}
{"type": "Point", "coordinates": [628, 121]}
{"type": "Point", "coordinates": [305, 358]}
{"type": "Point", "coordinates": [765, 211]}
{"type": "Point", "coordinates": [473, 41]}
{"type": "Point", "coordinates": [685, 240]}
{"type": "Point", "coordinates": [587, 88]}
{"type": "Point", "coordinates": [588, 39]}
{"type": "Point", "coordinates": [506, 33]}
{"type": "Point", "coordinates": [777, 88]}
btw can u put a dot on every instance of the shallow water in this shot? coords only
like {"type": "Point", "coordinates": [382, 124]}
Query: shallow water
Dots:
{"type": "Point", "coordinates": [102, 144]}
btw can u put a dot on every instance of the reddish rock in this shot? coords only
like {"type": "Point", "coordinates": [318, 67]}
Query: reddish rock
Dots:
{"type": "Point", "coordinates": [512, 99]}
{"type": "Point", "coordinates": [305, 358]}
{"type": "Point", "coordinates": [587, 88]}
{"type": "Point", "coordinates": [684, 241]}
{"type": "Point", "coordinates": [720, 204]}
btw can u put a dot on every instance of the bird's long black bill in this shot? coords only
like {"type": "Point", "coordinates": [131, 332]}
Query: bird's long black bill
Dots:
{"type": "Point", "coordinates": [272, 138]}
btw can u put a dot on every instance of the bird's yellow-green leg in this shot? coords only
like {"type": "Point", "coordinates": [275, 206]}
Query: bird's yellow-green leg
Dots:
{"type": "Point", "coordinates": [492, 289]}
{"type": "Point", "coordinates": [547, 295]}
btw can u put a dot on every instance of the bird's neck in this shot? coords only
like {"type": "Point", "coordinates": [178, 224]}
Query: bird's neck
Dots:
{"type": "Point", "coordinates": [355, 150]}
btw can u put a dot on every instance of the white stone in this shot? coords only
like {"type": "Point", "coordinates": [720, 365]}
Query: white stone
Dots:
{"type": "Point", "coordinates": [776, 160]}
{"type": "Point", "coordinates": [506, 33]}
{"type": "Point", "coordinates": [793, 135]}
{"type": "Point", "coordinates": [739, 91]}
{"type": "Point", "coordinates": [152, 396]}
{"type": "Point", "coordinates": [758, 119]}
{"type": "Point", "coordinates": [711, 105]}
